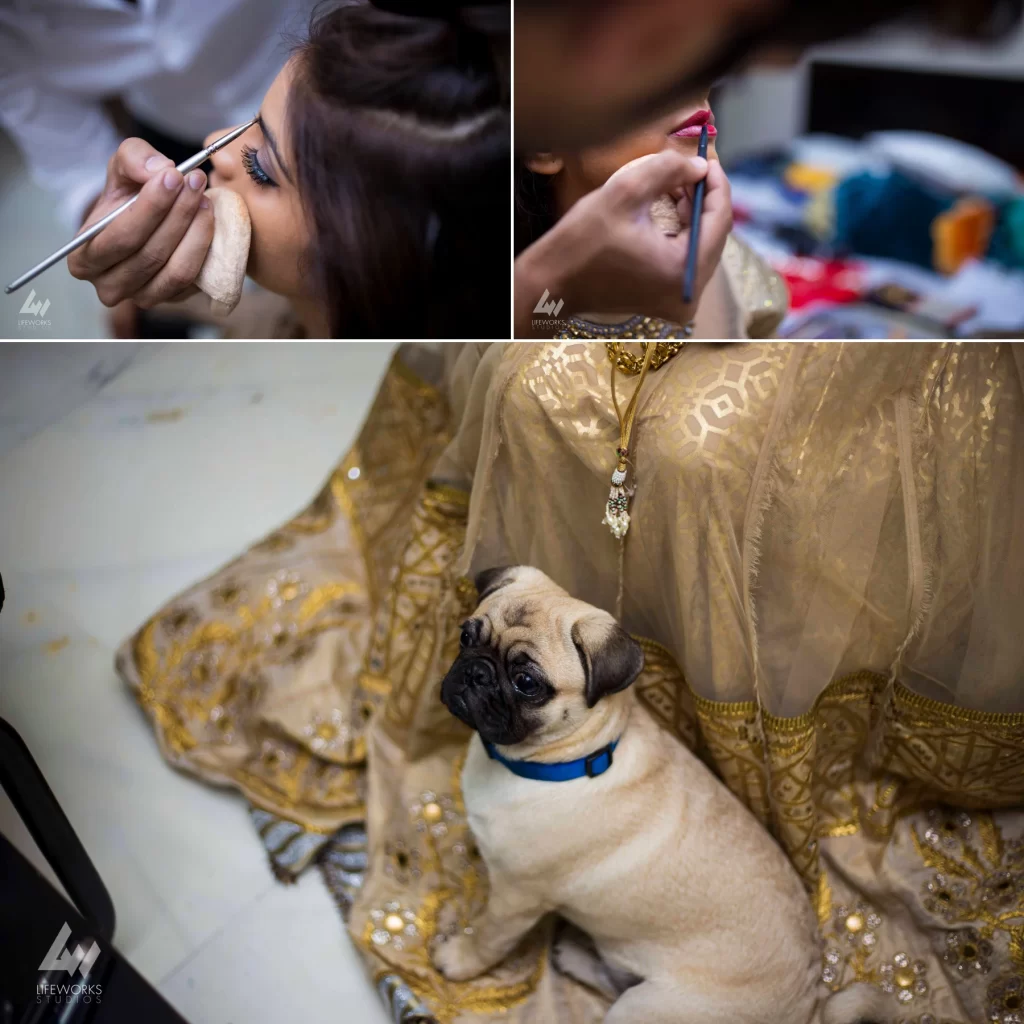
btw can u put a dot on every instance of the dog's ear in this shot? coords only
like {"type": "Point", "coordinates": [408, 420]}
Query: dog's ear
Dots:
{"type": "Point", "coordinates": [490, 580]}
{"type": "Point", "coordinates": [611, 658]}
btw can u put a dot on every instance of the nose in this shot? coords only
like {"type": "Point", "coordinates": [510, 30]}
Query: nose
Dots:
{"type": "Point", "coordinates": [225, 160]}
{"type": "Point", "coordinates": [216, 134]}
{"type": "Point", "coordinates": [479, 672]}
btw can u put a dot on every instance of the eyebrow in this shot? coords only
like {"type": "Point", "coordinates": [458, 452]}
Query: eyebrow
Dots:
{"type": "Point", "coordinates": [269, 136]}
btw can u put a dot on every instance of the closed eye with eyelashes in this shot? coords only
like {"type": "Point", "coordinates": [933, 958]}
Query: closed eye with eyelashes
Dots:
{"type": "Point", "coordinates": [251, 163]}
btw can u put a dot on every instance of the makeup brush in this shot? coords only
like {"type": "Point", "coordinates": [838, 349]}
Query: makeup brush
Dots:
{"type": "Point", "coordinates": [94, 229]}
{"type": "Point", "coordinates": [690, 277]}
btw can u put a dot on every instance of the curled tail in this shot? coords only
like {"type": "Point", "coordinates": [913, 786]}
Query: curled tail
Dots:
{"type": "Point", "coordinates": [858, 1004]}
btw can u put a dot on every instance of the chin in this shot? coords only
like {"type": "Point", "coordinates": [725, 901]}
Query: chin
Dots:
{"type": "Point", "coordinates": [287, 286]}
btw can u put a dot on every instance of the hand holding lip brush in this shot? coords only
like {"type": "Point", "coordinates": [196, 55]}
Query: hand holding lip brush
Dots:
{"type": "Point", "coordinates": [94, 229]}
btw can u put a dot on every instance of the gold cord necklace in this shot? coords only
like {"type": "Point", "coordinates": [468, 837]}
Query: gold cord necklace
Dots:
{"type": "Point", "coordinates": [616, 516]}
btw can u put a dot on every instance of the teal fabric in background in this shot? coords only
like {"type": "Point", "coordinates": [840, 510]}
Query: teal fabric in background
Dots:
{"type": "Point", "coordinates": [889, 216]}
{"type": "Point", "coordinates": [1008, 240]}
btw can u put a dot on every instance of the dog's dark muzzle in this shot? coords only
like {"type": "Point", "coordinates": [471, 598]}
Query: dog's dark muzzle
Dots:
{"type": "Point", "coordinates": [468, 674]}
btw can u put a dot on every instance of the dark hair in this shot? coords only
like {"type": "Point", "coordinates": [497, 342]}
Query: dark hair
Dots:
{"type": "Point", "coordinates": [806, 22]}
{"type": "Point", "coordinates": [802, 23]}
{"type": "Point", "coordinates": [401, 141]}
{"type": "Point", "coordinates": [535, 212]}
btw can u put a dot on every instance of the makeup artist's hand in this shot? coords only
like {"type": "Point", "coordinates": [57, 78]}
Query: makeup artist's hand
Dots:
{"type": "Point", "coordinates": [606, 254]}
{"type": "Point", "coordinates": [154, 251]}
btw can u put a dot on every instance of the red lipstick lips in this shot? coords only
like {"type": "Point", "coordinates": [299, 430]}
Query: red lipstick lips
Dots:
{"type": "Point", "coordinates": [691, 127]}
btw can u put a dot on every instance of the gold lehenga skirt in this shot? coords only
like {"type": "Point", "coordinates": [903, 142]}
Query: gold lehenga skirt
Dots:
{"type": "Point", "coordinates": [305, 674]}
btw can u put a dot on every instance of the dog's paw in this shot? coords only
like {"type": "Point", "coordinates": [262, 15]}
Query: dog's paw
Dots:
{"type": "Point", "coordinates": [456, 957]}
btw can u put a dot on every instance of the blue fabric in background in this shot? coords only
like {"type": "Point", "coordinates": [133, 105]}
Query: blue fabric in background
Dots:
{"type": "Point", "coordinates": [889, 216]}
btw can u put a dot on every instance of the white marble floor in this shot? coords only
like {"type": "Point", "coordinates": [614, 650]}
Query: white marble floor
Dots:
{"type": "Point", "coordinates": [122, 480]}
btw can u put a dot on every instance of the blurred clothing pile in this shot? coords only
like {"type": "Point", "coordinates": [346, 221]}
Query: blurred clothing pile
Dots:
{"type": "Point", "coordinates": [900, 234]}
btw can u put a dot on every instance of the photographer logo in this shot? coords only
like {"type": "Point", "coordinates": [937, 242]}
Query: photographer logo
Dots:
{"type": "Point", "coordinates": [61, 959]}
{"type": "Point", "coordinates": [35, 310]}
{"type": "Point", "coordinates": [549, 310]}
{"type": "Point", "coordinates": [548, 306]}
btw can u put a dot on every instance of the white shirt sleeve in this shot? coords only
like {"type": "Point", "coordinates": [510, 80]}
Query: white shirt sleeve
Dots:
{"type": "Point", "coordinates": [66, 142]}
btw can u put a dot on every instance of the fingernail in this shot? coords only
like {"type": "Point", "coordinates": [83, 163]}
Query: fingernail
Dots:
{"type": "Point", "coordinates": [195, 180]}
{"type": "Point", "coordinates": [204, 203]}
{"type": "Point", "coordinates": [156, 161]}
{"type": "Point", "coordinates": [699, 163]}
{"type": "Point", "coordinates": [172, 180]}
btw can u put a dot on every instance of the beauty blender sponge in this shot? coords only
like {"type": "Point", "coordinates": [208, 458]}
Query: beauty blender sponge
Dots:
{"type": "Point", "coordinates": [223, 271]}
{"type": "Point", "coordinates": [664, 212]}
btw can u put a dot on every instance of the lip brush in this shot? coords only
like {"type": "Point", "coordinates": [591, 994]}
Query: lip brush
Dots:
{"type": "Point", "coordinates": [690, 277]}
{"type": "Point", "coordinates": [94, 229]}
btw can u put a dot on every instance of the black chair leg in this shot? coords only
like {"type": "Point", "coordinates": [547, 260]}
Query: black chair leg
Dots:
{"type": "Point", "coordinates": [34, 801]}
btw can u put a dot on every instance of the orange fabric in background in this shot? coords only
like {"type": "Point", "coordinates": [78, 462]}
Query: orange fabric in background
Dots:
{"type": "Point", "coordinates": [962, 233]}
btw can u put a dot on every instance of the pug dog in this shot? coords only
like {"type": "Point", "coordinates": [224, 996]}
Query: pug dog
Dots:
{"type": "Point", "coordinates": [686, 897]}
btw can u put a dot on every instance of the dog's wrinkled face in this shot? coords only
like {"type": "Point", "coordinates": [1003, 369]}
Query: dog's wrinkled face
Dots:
{"type": "Point", "coordinates": [534, 661]}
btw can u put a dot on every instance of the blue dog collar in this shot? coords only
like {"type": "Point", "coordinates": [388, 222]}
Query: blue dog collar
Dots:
{"type": "Point", "coordinates": [561, 771]}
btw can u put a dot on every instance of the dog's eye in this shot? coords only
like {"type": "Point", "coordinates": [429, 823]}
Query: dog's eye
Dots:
{"type": "Point", "coordinates": [466, 639]}
{"type": "Point", "coordinates": [525, 684]}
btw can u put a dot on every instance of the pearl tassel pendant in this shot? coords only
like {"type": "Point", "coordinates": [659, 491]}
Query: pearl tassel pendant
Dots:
{"type": "Point", "coordinates": [616, 514]}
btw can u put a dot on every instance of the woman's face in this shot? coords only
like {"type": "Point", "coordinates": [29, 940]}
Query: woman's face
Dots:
{"type": "Point", "coordinates": [259, 167]}
{"type": "Point", "coordinates": [577, 174]}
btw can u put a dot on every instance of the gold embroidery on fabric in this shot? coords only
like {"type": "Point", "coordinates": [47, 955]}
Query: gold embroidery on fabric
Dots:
{"type": "Point", "coordinates": [324, 597]}
{"type": "Point", "coordinates": [978, 876]}
{"type": "Point", "coordinates": [662, 692]}
{"type": "Point", "coordinates": [1017, 948]}
{"type": "Point", "coordinates": [975, 895]}
{"type": "Point", "coordinates": [399, 932]}
{"type": "Point", "coordinates": [411, 629]}
{"type": "Point", "coordinates": [448, 1000]}
{"type": "Point", "coordinates": [380, 478]}
{"type": "Point", "coordinates": [855, 934]}
{"type": "Point", "coordinates": [164, 689]}
{"type": "Point", "coordinates": [198, 689]}
{"type": "Point", "coordinates": [972, 758]}
{"type": "Point", "coordinates": [823, 900]}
